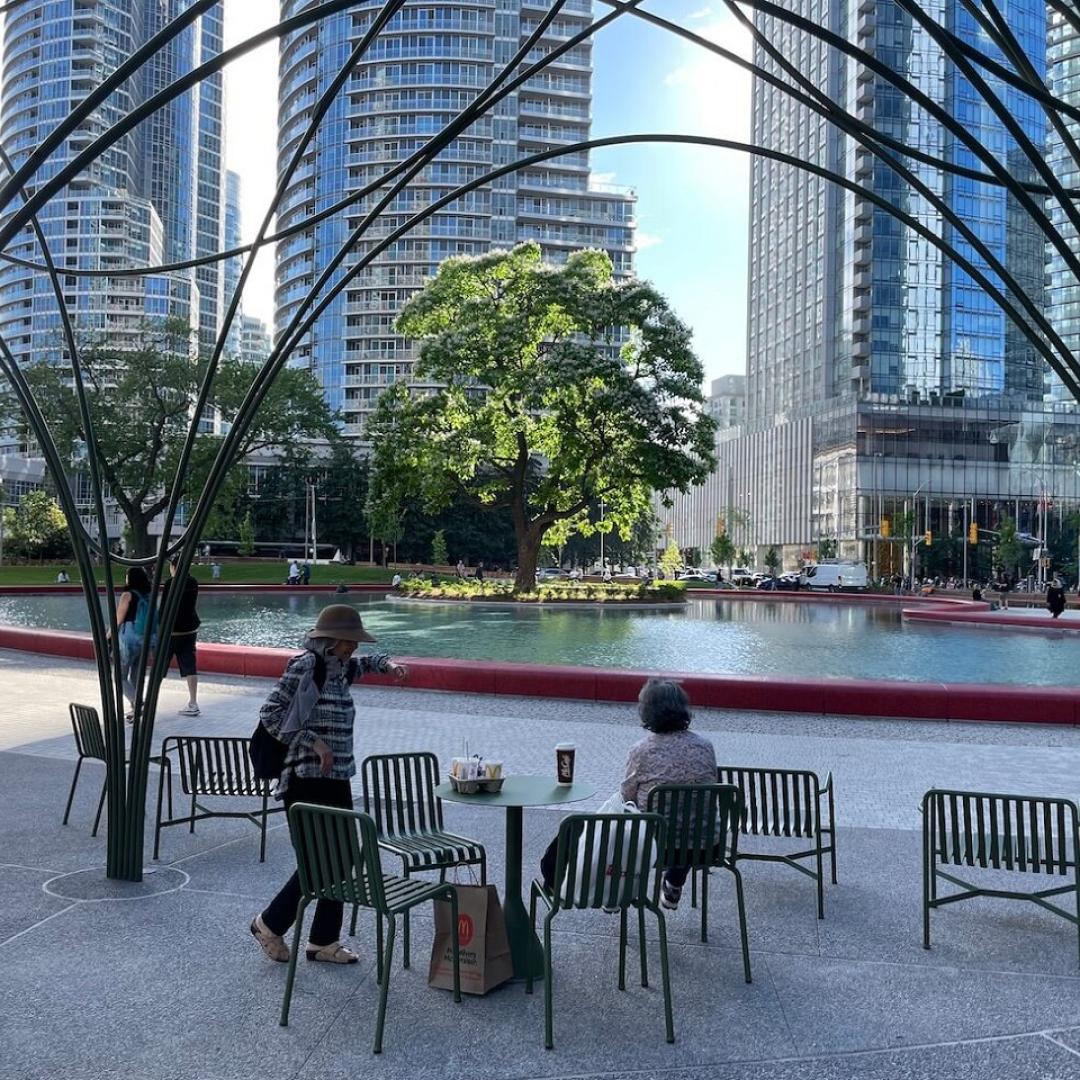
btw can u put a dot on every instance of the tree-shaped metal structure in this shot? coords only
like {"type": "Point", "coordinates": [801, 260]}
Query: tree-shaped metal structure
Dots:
{"type": "Point", "coordinates": [34, 182]}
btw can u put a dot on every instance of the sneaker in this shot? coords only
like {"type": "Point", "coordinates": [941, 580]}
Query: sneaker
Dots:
{"type": "Point", "coordinates": [670, 895]}
{"type": "Point", "coordinates": [272, 944]}
{"type": "Point", "coordinates": [190, 709]}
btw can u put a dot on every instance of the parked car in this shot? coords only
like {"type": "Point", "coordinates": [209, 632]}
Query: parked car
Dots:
{"type": "Point", "coordinates": [551, 573]}
{"type": "Point", "coordinates": [834, 576]}
{"type": "Point", "coordinates": [740, 575]}
{"type": "Point", "coordinates": [690, 574]}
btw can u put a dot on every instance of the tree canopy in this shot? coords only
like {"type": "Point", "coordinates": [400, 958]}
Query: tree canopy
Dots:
{"type": "Point", "coordinates": [559, 385]}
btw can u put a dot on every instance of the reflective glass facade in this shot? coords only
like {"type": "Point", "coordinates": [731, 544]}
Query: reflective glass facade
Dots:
{"type": "Point", "coordinates": [155, 196]}
{"type": "Point", "coordinates": [426, 66]}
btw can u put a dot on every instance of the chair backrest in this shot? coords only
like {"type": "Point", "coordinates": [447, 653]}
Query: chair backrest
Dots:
{"type": "Point", "coordinates": [337, 855]}
{"type": "Point", "coordinates": [1025, 833]}
{"type": "Point", "coordinates": [606, 860]}
{"type": "Point", "coordinates": [701, 821]}
{"type": "Point", "coordinates": [776, 802]}
{"type": "Point", "coordinates": [215, 765]}
{"type": "Point", "coordinates": [399, 792]}
{"type": "Point", "coordinates": [86, 726]}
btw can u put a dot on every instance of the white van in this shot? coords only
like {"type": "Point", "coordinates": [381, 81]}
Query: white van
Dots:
{"type": "Point", "coordinates": [834, 576]}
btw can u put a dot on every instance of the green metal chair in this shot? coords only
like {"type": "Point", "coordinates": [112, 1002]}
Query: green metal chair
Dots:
{"type": "Point", "coordinates": [399, 793]}
{"type": "Point", "coordinates": [588, 843]}
{"type": "Point", "coordinates": [90, 743]}
{"type": "Point", "coordinates": [337, 856]}
{"type": "Point", "coordinates": [787, 803]}
{"type": "Point", "coordinates": [701, 830]}
{"type": "Point", "coordinates": [1025, 834]}
{"type": "Point", "coordinates": [212, 766]}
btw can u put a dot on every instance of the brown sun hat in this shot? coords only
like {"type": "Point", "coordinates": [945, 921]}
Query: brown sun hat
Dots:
{"type": "Point", "coordinates": [341, 622]}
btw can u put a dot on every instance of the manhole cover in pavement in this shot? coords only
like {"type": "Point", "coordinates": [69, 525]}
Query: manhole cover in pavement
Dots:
{"type": "Point", "coordinates": [94, 885]}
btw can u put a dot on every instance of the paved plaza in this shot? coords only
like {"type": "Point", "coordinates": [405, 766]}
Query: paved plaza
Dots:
{"type": "Point", "coordinates": [168, 983]}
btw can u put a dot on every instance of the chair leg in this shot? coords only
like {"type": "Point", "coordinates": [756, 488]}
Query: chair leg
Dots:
{"type": "Point", "coordinates": [665, 976]}
{"type": "Point", "coordinates": [820, 880]}
{"type": "Point", "coordinates": [295, 951]}
{"type": "Point", "coordinates": [622, 947]}
{"type": "Point", "coordinates": [384, 983]}
{"type": "Point", "coordinates": [704, 903]}
{"type": "Point", "coordinates": [378, 947]}
{"type": "Point", "coordinates": [742, 923]}
{"type": "Point", "coordinates": [194, 807]}
{"type": "Point", "coordinates": [71, 793]}
{"type": "Point", "coordinates": [100, 806]}
{"type": "Point", "coordinates": [456, 944]}
{"type": "Point", "coordinates": [532, 923]}
{"type": "Point", "coordinates": [262, 841]}
{"type": "Point", "coordinates": [643, 952]}
{"type": "Point", "coordinates": [405, 936]}
{"type": "Point", "coordinates": [549, 1033]}
{"type": "Point", "coordinates": [832, 835]}
{"type": "Point", "coordinates": [693, 888]}
{"type": "Point", "coordinates": [160, 791]}
{"type": "Point", "coordinates": [483, 869]}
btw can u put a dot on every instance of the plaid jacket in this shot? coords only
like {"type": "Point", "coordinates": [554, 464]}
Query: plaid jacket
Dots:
{"type": "Point", "coordinates": [330, 720]}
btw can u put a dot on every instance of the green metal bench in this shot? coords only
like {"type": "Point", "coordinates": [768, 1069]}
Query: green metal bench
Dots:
{"type": "Point", "coordinates": [701, 832]}
{"type": "Point", "coordinates": [337, 857]}
{"type": "Point", "coordinates": [399, 794]}
{"type": "Point", "coordinates": [212, 766]}
{"type": "Point", "coordinates": [787, 803]}
{"type": "Point", "coordinates": [90, 743]}
{"type": "Point", "coordinates": [623, 837]}
{"type": "Point", "coordinates": [1024, 834]}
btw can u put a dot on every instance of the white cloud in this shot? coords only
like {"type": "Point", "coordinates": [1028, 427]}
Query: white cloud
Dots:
{"type": "Point", "coordinates": [702, 13]}
{"type": "Point", "coordinates": [602, 178]}
{"type": "Point", "coordinates": [644, 240]}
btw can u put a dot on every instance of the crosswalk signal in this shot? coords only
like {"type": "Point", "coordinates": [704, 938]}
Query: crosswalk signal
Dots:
{"type": "Point", "coordinates": [973, 533]}
{"type": "Point", "coordinates": [928, 539]}
{"type": "Point", "coordinates": [885, 527]}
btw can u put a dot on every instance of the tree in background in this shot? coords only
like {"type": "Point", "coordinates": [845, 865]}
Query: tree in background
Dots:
{"type": "Point", "coordinates": [591, 390]}
{"type": "Point", "coordinates": [722, 550]}
{"type": "Point", "coordinates": [246, 546]}
{"type": "Point", "coordinates": [140, 401]}
{"type": "Point", "coordinates": [38, 528]}
{"type": "Point", "coordinates": [671, 561]}
{"type": "Point", "coordinates": [772, 560]}
{"type": "Point", "coordinates": [746, 558]}
{"type": "Point", "coordinates": [439, 554]}
{"type": "Point", "coordinates": [826, 548]}
{"type": "Point", "coordinates": [1008, 551]}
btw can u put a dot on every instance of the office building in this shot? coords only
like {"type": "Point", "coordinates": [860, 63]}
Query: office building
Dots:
{"type": "Point", "coordinates": [255, 343]}
{"type": "Point", "coordinates": [429, 64]}
{"type": "Point", "coordinates": [885, 388]}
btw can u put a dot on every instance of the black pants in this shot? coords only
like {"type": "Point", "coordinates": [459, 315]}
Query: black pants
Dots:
{"type": "Point", "coordinates": [281, 914]}
{"type": "Point", "coordinates": [674, 875]}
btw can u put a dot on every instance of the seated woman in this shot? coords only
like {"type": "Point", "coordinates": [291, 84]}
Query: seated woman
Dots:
{"type": "Point", "coordinates": [669, 754]}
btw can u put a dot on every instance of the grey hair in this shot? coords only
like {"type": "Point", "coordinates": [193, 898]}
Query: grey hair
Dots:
{"type": "Point", "coordinates": [663, 706]}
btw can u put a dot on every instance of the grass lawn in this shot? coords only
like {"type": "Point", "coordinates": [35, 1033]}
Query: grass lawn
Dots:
{"type": "Point", "coordinates": [240, 572]}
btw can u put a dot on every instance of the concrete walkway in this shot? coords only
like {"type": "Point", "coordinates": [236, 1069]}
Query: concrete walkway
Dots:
{"type": "Point", "coordinates": [167, 982]}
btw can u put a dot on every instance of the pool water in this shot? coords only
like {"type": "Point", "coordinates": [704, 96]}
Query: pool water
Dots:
{"type": "Point", "coordinates": [723, 636]}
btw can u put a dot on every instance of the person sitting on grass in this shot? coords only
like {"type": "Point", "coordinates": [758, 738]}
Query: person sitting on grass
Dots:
{"type": "Point", "coordinates": [669, 754]}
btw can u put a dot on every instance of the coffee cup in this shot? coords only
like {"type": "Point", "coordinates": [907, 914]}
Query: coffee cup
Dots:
{"type": "Point", "coordinates": [564, 763]}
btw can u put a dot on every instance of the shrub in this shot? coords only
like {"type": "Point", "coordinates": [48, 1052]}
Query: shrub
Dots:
{"type": "Point", "coordinates": [559, 592]}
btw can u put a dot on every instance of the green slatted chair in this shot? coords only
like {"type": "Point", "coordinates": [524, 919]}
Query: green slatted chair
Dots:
{"type": "Point", "coordinates": [337, 856]}
{"type": "Point", "coordinates": [399, 793]}
{"type": "Point", "coordinates": [702, 832]}
{"type": "Point", "coordinates": [1024, 834]}
{"type": "Point", "coordinates": [212, 766]}
{"type": "Point", "coordinates": [788, 803]}
{"type": "Point", "coordinates": [90, 743]}
{"type": "Point", "coordinates": [623, 836]}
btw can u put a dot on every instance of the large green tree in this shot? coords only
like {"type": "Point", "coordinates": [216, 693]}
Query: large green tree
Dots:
{"type": "Point", "coordinates": [559, 386]}
{"type": "Point", "coordinates": [141, 392]}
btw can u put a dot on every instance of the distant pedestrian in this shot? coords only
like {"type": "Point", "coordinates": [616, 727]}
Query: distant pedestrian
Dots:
{"type": "Point", "coordinates": [62, 578]}
{"type": "Point", "coordinates": [1055, 598]}
{"type": "Point", "coordinates": [215, 571]}
{"type": "Point", "coordinates": [976, 594]}
{"type": "Point", "coordinates": [305, 574]}
{"type": "Point", "coordinates": [182, 639]}
{"type": "Point", "coordinates": [395, 582]}
{"type": "Point", "coordinates": [135, 628]}
{"type": "Point", "coordinates": [294, 573]}
{"type": "Point", "coordinates": [479, 572]}
{"type": "Point", "coordinates": [461, 569]}
{"type": "Point", "coordinates": [1004, 586]}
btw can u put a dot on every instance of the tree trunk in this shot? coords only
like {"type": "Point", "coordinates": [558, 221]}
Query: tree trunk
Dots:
{"type": "Point", "coordinates": [141, 544]}
{"type": "Point", "coordinates": [528, 554]}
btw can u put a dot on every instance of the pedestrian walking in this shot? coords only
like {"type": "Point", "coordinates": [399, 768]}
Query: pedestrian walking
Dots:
{"type": "Point", "coordinates": [135, 628]}
{"type": "Point", "coordinates": [1055, 598]}
{"type": "Point", "coordinates": [215, 571]}
{"type": "Point", "coordinates": [185, 629]}
{"type": "Point", "coordinates": [479, 573]}
{"type": "Point", "coordinates": [316, 721]}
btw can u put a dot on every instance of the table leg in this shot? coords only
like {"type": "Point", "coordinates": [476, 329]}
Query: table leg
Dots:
{"type": "Point", "coordinates": [525, 948]}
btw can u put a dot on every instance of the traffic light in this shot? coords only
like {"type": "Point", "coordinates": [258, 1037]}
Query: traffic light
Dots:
{"type": "Point", "coordinates": [973, 533]}
{"type": "Point", "coordinates": [885, 528]}
{"type": "Point", "coordinates": [928, 539]}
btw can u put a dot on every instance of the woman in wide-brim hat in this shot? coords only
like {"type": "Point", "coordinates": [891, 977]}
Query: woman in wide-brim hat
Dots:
{"type": "Point", "coordinates": [317, 725]}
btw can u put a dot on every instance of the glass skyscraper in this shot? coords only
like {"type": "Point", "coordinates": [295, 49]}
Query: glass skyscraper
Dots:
{"type": "Point", "coordinates": [429, 64]}
{"type": "Point", "coordinates": [883, 384]}
{"type": "Point", "coordinates": [155, 196]}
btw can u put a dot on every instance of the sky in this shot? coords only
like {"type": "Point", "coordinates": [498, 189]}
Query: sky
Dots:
{"type": "Point", "coordinates": [692, 201]}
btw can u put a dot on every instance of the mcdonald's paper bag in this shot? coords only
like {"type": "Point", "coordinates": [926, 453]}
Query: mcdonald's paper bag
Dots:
{"type": "Point", "coordinates": [485, 948]}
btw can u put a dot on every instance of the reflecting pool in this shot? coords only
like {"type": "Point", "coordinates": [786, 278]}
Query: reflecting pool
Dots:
{"type": "Point", "coordinates": [726, 636]}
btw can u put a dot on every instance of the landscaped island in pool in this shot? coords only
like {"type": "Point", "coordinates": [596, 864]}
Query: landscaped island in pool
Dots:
{"type": "Point", "coordinates": [804, 639]}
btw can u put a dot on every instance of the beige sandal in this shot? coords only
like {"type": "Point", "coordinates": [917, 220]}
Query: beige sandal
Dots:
{"type": "Point", "coordinates": [332, 954]}
{"type": "Point", "coordinates": [272, 944]}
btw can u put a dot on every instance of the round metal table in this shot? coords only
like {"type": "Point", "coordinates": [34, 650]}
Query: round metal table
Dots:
{"type": "Point", "coordinates": [517, 793]}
